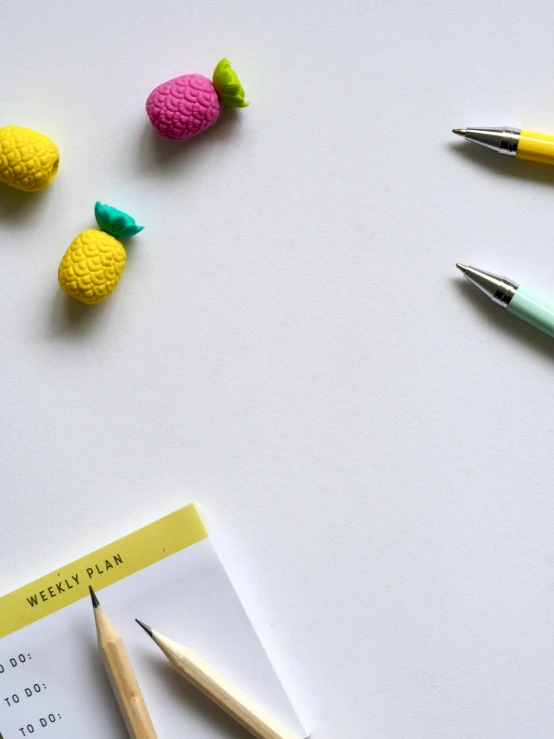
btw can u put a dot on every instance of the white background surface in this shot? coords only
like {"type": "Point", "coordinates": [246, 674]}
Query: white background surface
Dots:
{"type": "Point", "coordinates": [290, 344]}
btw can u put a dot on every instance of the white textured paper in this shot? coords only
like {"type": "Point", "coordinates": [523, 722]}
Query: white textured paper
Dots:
{"type": "Point", "coordinates": [290, 343]}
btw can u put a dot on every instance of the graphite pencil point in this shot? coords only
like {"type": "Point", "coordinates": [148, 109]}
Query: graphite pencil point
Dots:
{"type": "Point", "coordinates": [94, 599]}
{"type": "Point", "coordinates": [145, 627]}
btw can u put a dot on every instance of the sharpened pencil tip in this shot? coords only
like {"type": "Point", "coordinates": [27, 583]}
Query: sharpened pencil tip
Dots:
{"type": "Point", "coordinates": [145, 627]}
{"type": "Point", "coordinates": [94, 599]}
{"type": "Point", "coordinates": [461, 267]}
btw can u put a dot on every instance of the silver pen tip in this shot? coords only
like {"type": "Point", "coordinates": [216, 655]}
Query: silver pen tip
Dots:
{"type": "Point", "coordinates": [459, 131]}
{"type": "Point", "coordinates": [461, 267]}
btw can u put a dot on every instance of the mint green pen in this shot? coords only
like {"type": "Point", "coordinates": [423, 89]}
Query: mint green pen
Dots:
{"type": "Point", "coordinates": [516, 300]}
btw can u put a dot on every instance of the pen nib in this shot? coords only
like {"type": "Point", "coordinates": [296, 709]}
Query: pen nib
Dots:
{"type": "Point", "coordinates": [461, 267]}
{"type": "Point", "coordinates": [459, 131]}
{"type": "Point", "coordinates": [145, 627]}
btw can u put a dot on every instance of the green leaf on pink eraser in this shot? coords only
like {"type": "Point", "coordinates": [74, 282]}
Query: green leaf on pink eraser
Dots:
{"type": "Point", "coordinates": [115, 222]}
{"type": "Point", "coordinates": [227, 85]}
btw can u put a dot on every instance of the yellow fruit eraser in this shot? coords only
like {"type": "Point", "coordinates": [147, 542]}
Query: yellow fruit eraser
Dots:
{"type": "Point", "coordinates": [28, 160]}
{"type": "Point", "coordinates": [91, 267]}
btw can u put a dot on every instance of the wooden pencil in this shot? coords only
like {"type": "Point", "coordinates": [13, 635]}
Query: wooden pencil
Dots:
{"type": "Point", "coordinates": [218, 689]}
{"type": "Point", "coordinates": [121, 675]}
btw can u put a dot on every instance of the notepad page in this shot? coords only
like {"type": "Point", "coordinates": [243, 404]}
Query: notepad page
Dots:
{"type": "Point", "coordinates": [169, 575]}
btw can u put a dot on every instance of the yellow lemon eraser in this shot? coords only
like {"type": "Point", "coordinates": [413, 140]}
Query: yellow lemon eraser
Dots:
{"type": "Point", "coordinates": [28, 160]}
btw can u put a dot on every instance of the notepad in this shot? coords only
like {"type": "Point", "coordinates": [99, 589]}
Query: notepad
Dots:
{"type": "Point", "coordinates": [168, 574]}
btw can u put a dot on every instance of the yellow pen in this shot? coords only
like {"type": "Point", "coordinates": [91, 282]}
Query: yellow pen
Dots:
{"type": "Point", "coordinates": [514, 142]}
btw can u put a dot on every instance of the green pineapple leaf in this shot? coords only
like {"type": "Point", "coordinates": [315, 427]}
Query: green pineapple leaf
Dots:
{"type": "Point", "coordinates": [115, 222]}
{"type": "Point", "coordinates": [227, 85]}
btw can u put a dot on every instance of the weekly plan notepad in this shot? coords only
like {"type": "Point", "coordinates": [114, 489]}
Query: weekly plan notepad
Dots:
{"type": "Point", "coordinates": [168, 574]}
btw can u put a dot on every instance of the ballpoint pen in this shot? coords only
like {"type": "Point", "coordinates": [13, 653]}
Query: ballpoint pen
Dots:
{"type": "Point", "coordinates": [515, 142]}
{"type": "Point", "coordinates": [516, 300]}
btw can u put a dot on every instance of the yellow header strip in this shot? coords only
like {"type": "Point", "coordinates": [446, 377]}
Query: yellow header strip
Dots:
{"type": "Point", "coordinates": [103, 567]}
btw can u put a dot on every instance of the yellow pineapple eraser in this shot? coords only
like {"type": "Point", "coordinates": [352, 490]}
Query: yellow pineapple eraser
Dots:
{"type": "Point", "coordinates": [91, 267]}
{"type": "Point", "coordinates": [29, 160]}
